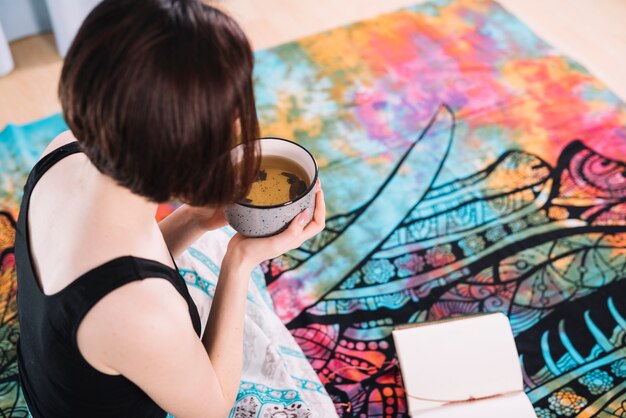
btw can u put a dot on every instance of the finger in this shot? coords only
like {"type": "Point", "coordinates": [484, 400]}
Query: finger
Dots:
{"type": "Point", "coordinates": [319, 217]}
{"type": "Point", "coordinates": [320, 207]}
{"type": "Point", "coordinates": [318, 185]}
{"type": "Point", "coordinates": [293, 231]}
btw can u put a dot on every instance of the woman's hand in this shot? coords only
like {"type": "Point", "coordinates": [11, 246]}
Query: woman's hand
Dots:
{"type": "Point", "coordinates": [187, 223]}
{"type": "Point", "coordinates": [208, 218]}
{"type": "Point", "coordinates": [248, 252]}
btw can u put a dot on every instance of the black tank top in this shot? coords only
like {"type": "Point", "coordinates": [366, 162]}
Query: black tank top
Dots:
{"type": "Point", "coordinates": [56, 379]}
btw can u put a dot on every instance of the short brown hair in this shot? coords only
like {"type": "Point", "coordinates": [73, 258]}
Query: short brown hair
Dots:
{"type": "Point", "coordinates": [151, 89]}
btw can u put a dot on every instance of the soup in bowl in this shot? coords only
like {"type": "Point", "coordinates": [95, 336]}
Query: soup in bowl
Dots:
{"type": "Point", "coordinates": [284, 186]}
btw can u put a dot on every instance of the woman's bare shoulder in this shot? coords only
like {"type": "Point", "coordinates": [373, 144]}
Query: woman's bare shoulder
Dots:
{"type": "Point", "coordinates": [137, 313]}
{"type": "Point", "coordinates": [61, 139]}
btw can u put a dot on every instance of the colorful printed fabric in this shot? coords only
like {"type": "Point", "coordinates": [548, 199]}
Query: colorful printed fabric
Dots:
{"type": "Point", "coordinates": [468, 167]}
{"type": "Point", "coordinates": [20, 148]}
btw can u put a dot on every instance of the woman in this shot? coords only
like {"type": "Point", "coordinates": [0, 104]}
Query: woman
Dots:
{"type": "Point", "coordinates": [156, 93]}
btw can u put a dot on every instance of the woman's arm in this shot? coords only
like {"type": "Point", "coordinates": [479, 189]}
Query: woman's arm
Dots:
{"type": "Point", "coordinates": [223, 337]}
{"type": "Point", "coordinates": [143, 331]}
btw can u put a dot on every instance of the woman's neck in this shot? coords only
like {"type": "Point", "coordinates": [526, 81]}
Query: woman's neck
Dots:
{"type": "Point", "coordinates": [115, 205]}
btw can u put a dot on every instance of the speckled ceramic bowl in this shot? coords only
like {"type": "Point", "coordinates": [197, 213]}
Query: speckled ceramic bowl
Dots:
{"type": "Point", "coordinates": [264, 221]}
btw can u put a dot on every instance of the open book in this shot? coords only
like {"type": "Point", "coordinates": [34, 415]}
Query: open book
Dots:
{"type": "Point", "coordinates": [462, 367]}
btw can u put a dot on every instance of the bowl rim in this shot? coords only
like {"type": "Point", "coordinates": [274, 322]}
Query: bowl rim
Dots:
{"type": "Point", "coordinates": [289, 202]}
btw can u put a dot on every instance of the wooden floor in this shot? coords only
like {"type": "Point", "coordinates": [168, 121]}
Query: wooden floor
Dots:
{"type": "Point", "coordinates": [592, 32]}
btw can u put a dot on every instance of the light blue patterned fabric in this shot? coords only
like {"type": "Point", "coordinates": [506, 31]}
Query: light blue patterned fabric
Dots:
{"type": "Point", "coordinates": [277, 379]}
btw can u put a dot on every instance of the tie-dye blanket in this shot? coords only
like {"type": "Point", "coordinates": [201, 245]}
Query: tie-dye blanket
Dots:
{"type": "Point", "coordinates": [468, 166]}
{"type": "Point", "coordinates": [20, 148]}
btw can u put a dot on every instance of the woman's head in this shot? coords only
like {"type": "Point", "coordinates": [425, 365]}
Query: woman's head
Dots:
{"type": "Point", "coordinates": [152, 90]}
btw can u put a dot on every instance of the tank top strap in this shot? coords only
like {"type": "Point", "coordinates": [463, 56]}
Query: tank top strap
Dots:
{"type": "Point", "coordinates": [87, 290]}
{"type": "Point", "coordinates": [48, 161]}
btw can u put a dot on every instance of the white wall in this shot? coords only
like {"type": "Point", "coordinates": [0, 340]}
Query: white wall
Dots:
{"type": "Point", "coordinates": [20, 18]}
{"type": "Point", "coordinates": [66, 17]}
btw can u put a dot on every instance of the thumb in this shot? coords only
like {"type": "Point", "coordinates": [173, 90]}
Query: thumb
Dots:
{"type": "Point", "coordinates": [298, 223]}
{"type": "Point", "coordinates": [302, 217]}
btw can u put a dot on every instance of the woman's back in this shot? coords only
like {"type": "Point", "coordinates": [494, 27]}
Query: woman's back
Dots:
{"type": "Point", "coordinates": [55, 374]}
{"type": "Point", "coordinates": [93, 221]}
